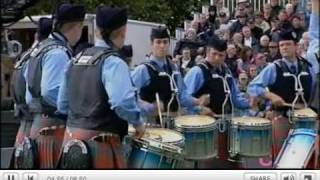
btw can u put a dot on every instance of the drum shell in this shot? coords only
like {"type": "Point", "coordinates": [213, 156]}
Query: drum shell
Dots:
{"type": "Point", "coordinates": [200, 142]}
{"type": "Point", "coordinates": [153, 154]}
{"type": "Point", "coordinates": [251, 141]}
{"type": "Point", "coordinates": [146, 158]}
{"type": "Point", "coordinates": [305, 122]}
{"type": "Point", "coordinates": [297, 149]}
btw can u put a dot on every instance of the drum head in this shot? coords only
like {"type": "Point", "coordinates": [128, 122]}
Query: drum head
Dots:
{"type": "Point", "coordinates": [251, 121]}
{"type": "Point", "coordinates": [194, 121]}
{"type": "Point", "coordinates": [306, 112]}
{"type": "Point", "coordinates": [163, 135]}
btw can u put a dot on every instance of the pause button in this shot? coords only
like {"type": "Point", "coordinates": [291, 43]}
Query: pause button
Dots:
{"type": "Point", "coordinates": [11, 176]}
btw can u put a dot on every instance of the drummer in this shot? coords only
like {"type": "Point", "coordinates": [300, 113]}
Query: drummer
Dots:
{"type": "Point", "coordinates": [149, 82]}
{"type": "Point", "coordinates": [200, 80]}
{"type": "Point", "coordinates": [99, 117]}
{"type": "Point", "coordinates": [281, 87]}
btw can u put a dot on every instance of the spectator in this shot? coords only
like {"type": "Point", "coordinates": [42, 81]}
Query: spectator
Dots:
{"type": "Point", "coordinates": [203, 23]}
{"type": "Point", "coordinates": [240, 8]}
{"type": "Point", "coordinates": [231, 60]}
{"type": "Point", "coordinates": [190, 41]}
{"type": "Point", "coordinates": [237, 39]}
{"type": "Point", "coordinates": [249, 10]}
{"type": "Point", "coordinates": [255, 30]}
{"type": "Point", "coordinates": [260, 61]}
{"type": "Point", "coordinates": [243, 82]}
{"type": "Point", "coordinates": [261, 23]}
{"type": "Point", "coordinates": [252, 72]}
{"type": "Point", "coordinates": [212, 20]}
{"type": "Point", "coordinates": [274, 53]}
{"type": "Point", "coordinates": [249, 40]}
{"type": "Point", "coordinates": [274, 32]}
{"type": "Point", "coordinates": [244, 61]}
{"type": "Point", "coordinates": [289, 10]}
{"type": "Point", "coordinates": [283, 18]}
{"type": "Point", "coordinates": [296, 26]}
{"type": "Point", "coordinates": [222, 9]}
{"type": "Point", "coordinates": [307, 14]}
{"type": "Point", "coordinates": [225, 33]}
{"type": "Point", "coordinates": [223, 19]}
{"type": "Point", "coordinates": [238, 24]}
{"type": "Point", "coordinates": [275, 7]}
{"type": "Point", "coordinates": [303, 19]}
{"type": "Point", "coordinates": [201, 55]}
{"type": "Point", "coordinates": [186, 62]}
{"type": "Point", "coordinates": [195, 25]}
{"type": "Point", "coordinates": [267, 12]}
{"type": "Point", "coordinates": [295, 4]}
{"type": "Point", "coordinates": [264, 44]}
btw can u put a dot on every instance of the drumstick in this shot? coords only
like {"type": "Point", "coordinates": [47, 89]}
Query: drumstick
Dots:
{"type": "Point", "coordinates": [159, 108]}
{"type": "Point", "coordinates": [290, 105]}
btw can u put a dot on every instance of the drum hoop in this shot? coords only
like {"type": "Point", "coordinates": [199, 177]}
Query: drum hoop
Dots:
{"type": "Point", "coordinates": [211, 125]}
{"type": "Point", "coordinates": [158, 146]}
{"type": "Point", "coordinates": [252, 124]}
{"type": "Point", "coordinates": [309, 133]}
{"type": "Point", "coordinates": [300, 118]}
{"type": "Point", "coordinates": [176, 143]}
{"type": "Point", "coordinates": [195, 129]}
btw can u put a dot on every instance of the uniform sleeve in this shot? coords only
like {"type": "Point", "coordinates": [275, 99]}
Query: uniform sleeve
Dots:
{"type": "Point", "coordinates": [257, 87]}
{"type": "Point", "coordinates": [53, 65]}
{"type": "Point", "coordinates": [63, 102]}
{"type": "Point", "coordinates": [141, 78]}
{"type": "Point", "coordinates": [238, 99]}
{"type": "Point", "coordinates": [122, 94]}
{"type": "Point", "coordinates": [193, 80]}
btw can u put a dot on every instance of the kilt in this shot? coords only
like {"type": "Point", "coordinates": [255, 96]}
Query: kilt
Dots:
{"type": "Point", "coordinates": [48, 134]}
{"type": "Point", "coordinates": [24, 131]}
{"type": "Point", "coordinates": [106, 154]}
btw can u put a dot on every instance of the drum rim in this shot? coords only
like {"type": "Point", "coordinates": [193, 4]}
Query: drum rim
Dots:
{"type": "Point", "coordinates": [300, 115]}
{"type": "Point", "coordinates": [264, 124]}
{"type": "Point", "coordinates": [180, 141]}
{"type": "Point", "coordinates": [179, 122]}
{"type": "Point", "coordinates": [142, 145]}
{"type": "Point", "coordinates": [183, 129]}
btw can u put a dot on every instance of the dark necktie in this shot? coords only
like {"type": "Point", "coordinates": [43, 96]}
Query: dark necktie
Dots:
{"type": "Point", "coordinates": [293, 69]}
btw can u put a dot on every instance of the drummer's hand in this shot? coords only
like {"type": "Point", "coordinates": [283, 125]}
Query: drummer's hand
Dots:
{"type": "Point", "coordinates": [270, 115]}
{"type": "Point", "coordinates": [206, 111]}
{"type": "Point", "coordinates": [275, 99]}
{"type": "Point", "coordinates": [204, 100]}
{"type": "Point", "coordinates": [140, 131]}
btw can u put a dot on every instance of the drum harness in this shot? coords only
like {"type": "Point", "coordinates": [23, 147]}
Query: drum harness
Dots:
{"type": "Point", "coordinates": [299, 92]}
{"type": "Point", "coordinates": [174, 93]}
{"type": "Point", "coordinates": [222, 126]}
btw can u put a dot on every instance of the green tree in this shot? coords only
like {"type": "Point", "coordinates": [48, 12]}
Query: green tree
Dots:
{"type": "Point", "coordinates": [169, 12]}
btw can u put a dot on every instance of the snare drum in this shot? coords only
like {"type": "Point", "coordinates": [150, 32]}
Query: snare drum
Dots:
{"type": "Point", "coordinates": [297, 149]}
{"type": "Point", "coordinates": [250, 136]}
{"type": "Point", "coordinates": [305, 118]}
{"type": "Point", "coordinates": [158, 148]}
{"type": "Point", "coordinates": [201, 136]}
